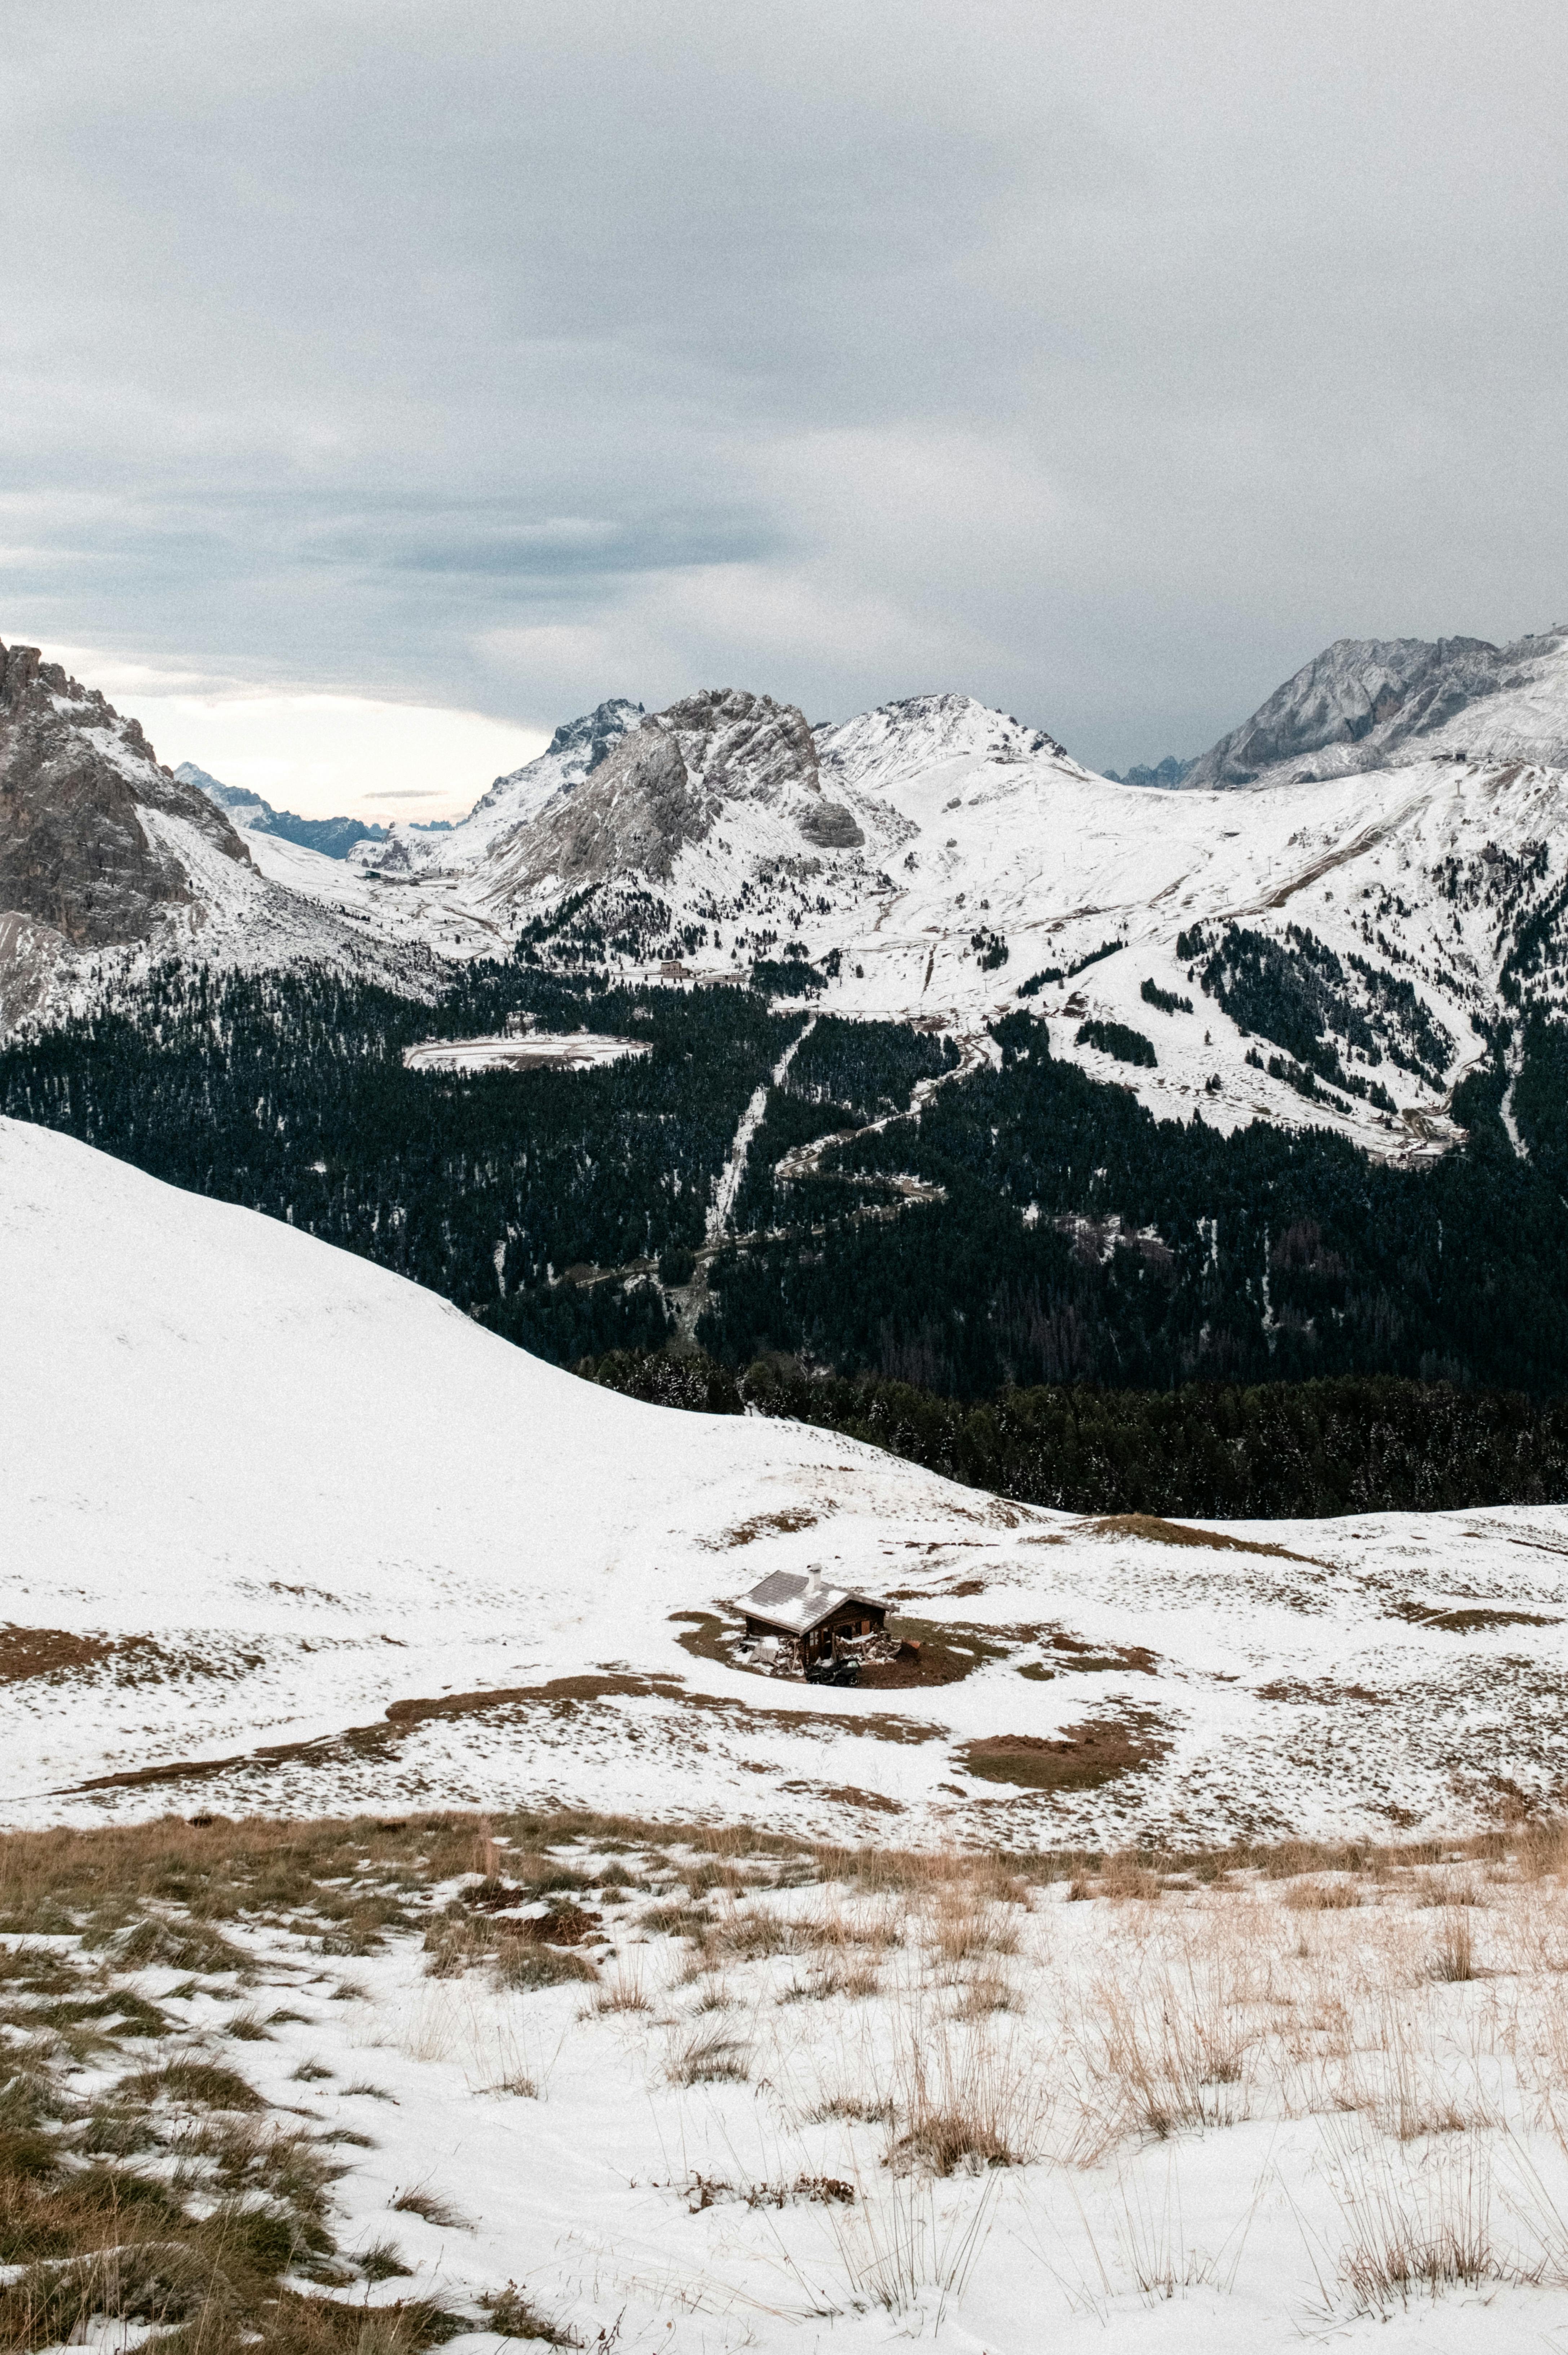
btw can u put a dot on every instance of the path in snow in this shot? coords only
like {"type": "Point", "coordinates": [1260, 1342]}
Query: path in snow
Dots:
{"type": "Point", "coordinates": [750, 1121]}
{"type": "Point", "coordinates": [806, 1160]}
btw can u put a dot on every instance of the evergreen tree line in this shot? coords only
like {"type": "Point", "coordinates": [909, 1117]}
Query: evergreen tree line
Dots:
{"type": "Point", "coordinates": [288, 1093]}
{"type": "Point", "coordinates": [1285, 1449]}
{"type": "Point", "coordinates": [1081, 1240]}
{"type": "Point", "coordinates": [1067, 1237]}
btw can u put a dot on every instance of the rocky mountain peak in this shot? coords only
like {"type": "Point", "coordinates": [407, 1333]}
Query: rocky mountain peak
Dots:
{"type": "Point", "coordinates": [1369, 703]}
{"type": "Point", "coordinates": [589, 740]}
{"type": "Point", "coordinates": [85, 848]}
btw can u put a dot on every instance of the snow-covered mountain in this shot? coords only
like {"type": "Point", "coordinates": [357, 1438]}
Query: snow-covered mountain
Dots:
{"type": "Point", "coordinates": [334, 837]}
{"type": "Point", "coordinates": [437, 1571]}
{"type": "Point", "coordinates": [573, 752]}
{"type": "Point", "coordinates": [99, 848]}
{"type": "Point", "coordinates": [109, 861]}
{"type": "Point", "coordinates": [1372, 703]}
{"type": "Point", "coordinates": [937, 860]}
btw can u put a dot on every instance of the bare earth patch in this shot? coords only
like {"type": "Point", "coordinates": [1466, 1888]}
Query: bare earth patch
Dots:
{"type": "Point", "coordinates": [1176, 1533]}
{"type": "Point", "coordinates": [27, 1652]}
{"type": "Point", "coordinates": [1079, 1758]}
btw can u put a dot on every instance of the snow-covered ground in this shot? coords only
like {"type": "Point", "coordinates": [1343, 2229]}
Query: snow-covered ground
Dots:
{"type": "Point", "coordinates": [578, 1050]}
{"type": "Point", "coordinates": [270, 1504]}
{"type": "Point", "coordinates": [798, 2103]}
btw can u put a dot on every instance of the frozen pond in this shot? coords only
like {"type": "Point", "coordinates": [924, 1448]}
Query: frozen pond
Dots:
{"type": "Point", "coordinates": [576, 1050]}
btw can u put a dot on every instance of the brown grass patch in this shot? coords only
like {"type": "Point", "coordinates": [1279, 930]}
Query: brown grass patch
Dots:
{"type": "Point", "coordinates": [1078, 1656]}
{"type": "Point", "coordinates": [1322, 1896]}
{"type": "Point", "coordinates": [931, 1653]}
{"type": "Point", "coordinates": [846, 1795]}
{"type": "Point", "coordinates": [53, 1653]}
{"type": "Point", "coordinates": [1470, 1620]}
{"type": "Point", "coordinates": [1078, 1759]}
{"type": "Point", "coordinates": [762, 1525]}
{"type": "Point", "coordinates": [560, 1690]}
{"type": "Point", "coordinates": [1177, 1533]}
{"type": "Point", "coordinates": [1323, 1694]}
{"type": "Point", "coordinates": [703, 1636]}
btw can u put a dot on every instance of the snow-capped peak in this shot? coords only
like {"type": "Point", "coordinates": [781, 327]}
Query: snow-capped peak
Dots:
{"type": "Point", "coordinates": [897, 740]}
{"type": "Point", "coordinates": [573, 752]}
{"type": "Point", "coordinates": [1374, 703]}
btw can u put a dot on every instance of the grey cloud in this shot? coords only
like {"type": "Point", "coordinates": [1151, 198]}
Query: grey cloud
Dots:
{"type": "Point", "coordinates": [1104, 363]}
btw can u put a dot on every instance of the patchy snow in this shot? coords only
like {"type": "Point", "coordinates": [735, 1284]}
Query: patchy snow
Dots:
{"type": "Point", "coordinates": [435, 1570]}
{"type": "Point", "coordinates": [1195, 2120]}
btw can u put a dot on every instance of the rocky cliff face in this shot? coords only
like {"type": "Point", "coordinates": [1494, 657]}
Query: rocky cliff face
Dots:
{"type": "Point", "coordinates": [83, 849]}
{"type": "Point", "coordinates": [672, 780]}
{"type": "Point", "coordinates": [1372, 703]}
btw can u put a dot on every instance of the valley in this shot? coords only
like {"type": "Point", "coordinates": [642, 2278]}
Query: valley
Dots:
{"type": "Point", "coordinates": [1117, 1230]}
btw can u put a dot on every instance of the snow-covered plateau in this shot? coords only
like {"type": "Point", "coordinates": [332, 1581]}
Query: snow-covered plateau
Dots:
{"type": "Point", "coordinates": [285, 1531]}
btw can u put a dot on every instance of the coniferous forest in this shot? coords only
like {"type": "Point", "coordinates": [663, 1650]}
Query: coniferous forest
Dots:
{"type": "Point", "coordinates": [1032, 1232]}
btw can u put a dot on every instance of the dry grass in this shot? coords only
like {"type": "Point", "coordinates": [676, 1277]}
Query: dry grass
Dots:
{"type": "Point", "coordinates": [420, 2200]}
{"type": "Point", "coordinates": [1454, 1956]}
{"type": "Point", "coordinates": [964, 2100]}
{"type": "Point", "coordinates": [1314, 1896]}
{"type": "Point", "coordinates": [1081, 1758]}
{"type": "Point", "coordinates": [708, 2057]}
{"type": "Point", "coordinates": [1318, 1981]}
{"type": "Point", "coordinates": [623, 1991]}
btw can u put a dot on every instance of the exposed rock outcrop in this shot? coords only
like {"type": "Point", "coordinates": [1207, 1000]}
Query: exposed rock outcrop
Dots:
{"type": "Point", "coordinates": [82, 851]}
{"type": "Point", "coordinates": [1372, 703]}
{"type": "Point", "coordinates": [672, 779]}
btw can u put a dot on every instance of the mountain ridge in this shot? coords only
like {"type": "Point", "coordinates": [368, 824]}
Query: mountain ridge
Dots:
{"type": "Point", "coordinates": [1369, 703]}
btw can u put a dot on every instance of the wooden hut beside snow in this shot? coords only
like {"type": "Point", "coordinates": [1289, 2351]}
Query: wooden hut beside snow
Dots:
{"type": "Point", "coordinates": [804, 1610]}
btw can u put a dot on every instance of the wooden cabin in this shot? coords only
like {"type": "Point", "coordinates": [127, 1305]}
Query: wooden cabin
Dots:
{"type": "Point", "coordinates": [805, 1610]}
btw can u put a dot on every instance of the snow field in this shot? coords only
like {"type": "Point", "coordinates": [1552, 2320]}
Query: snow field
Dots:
{"type": "Point", "coordinates": [581, 1051]}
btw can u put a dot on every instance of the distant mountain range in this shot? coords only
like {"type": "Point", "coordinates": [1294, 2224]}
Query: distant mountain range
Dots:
{"type": "Point", "coordinates": [1373, 703]}
{"type": "Point", "coordinates": [1165, 775]}
{"type": "Point", "coordinates": [1321, 921]}
{"type": "Point", "coordinates": [334, 838]}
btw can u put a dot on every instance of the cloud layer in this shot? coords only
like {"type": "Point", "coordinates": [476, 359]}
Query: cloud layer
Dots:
{"type": "Point", "coordinates": [1104, 364]}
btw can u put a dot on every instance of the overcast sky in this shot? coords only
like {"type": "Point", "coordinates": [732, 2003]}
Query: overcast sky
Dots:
{"type": "Point", "coordinates": [371, 360]}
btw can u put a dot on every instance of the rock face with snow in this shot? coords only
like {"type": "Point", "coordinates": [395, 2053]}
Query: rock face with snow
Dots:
{"type": "Point", "coordinates": [674, 778]}
{"type": "Point", "coordinates": [109, 862]}
{"type": "Point", "coordinates": [84, 843]}
{"type": "Point", "coordinates": [575, 752]}
{"type": "Point", "coordinates": [1372, 703]}
{"type": "Point", "coordinates": [97, 842]}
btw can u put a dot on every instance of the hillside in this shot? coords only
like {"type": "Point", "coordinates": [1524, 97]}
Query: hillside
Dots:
{"type": "Point", "coordinates": [289, 1533]}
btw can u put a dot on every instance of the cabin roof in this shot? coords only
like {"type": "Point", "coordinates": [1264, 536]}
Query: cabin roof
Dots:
{"type": "Point", "coordinates": [798, 1603]}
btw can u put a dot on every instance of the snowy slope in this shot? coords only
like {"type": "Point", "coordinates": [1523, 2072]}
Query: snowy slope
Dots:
{"type": "Point", "coordinates": [937, 855]}
{"type": "Point", "coordinates": [270, 1505]}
